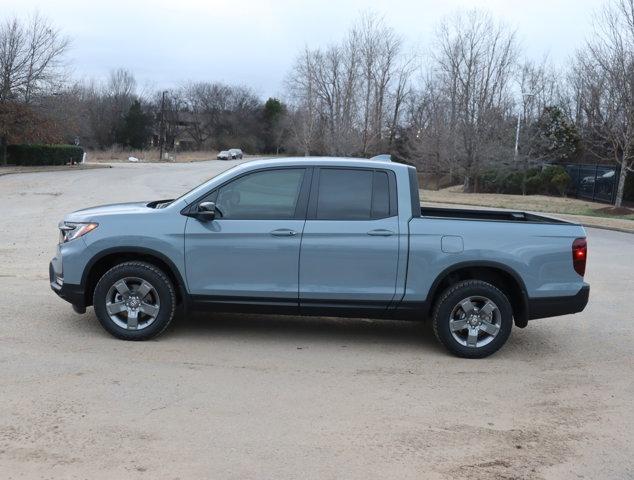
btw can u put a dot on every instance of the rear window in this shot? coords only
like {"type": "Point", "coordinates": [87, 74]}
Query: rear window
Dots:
{"type": "Point", "coordinates": [352, 194]}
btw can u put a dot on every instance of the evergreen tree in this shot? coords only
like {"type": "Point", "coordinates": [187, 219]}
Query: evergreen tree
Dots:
{"type": "Point", "coordinates": [556, 138]}
{"type": "Point", "coordinates": [135, 128]}
{"type": "Point", "coordinates": [274, 112]}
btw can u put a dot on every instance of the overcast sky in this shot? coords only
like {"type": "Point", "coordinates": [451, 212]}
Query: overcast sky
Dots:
{"type": "Point", "coordinates": [254, 42]}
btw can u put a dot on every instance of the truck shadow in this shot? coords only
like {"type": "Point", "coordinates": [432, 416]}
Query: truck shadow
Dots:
{"type": "Point", "coordinates": [308, 329]}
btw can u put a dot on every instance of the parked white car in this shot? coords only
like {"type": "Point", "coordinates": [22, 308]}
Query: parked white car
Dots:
{"type": "Point", "coordinates": [224, 155]}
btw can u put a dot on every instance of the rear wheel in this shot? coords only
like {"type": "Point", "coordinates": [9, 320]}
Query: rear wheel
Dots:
{"type": "Point", "coordinates": [473, 319]}
{"type": "Point", "coordinates": [134, 301]}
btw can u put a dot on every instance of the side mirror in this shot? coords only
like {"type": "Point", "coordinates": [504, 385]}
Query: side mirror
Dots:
{"type": "Point", "coordinates": [206, 211]}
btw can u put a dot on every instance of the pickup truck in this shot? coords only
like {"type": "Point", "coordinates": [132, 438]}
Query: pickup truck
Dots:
{"type": "Point", "coordinates": [320, 236]}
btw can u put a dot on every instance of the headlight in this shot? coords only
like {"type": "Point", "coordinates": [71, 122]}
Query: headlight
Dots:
{"type": "Point", "coordinates": [70, 230]}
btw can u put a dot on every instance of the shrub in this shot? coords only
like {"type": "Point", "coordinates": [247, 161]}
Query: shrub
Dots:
{"type": "Point", "coordinates": [534, 184]}
{"type": "Point", "coordinates": [512, 183]}
{"type": "Point", "coordinates": [560, 182]}
{"type": "Point", "coordinates": [489, 181]}
{"type": "Point", "coordinates": [43, 154]}
{"type": "Point", "coordinates": [550, 180]}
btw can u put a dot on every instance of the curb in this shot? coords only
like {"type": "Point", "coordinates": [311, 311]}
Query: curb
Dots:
{"type": "Point", "coordinates": [45, 170]}
{"type": "Point", "coordinates": [614, 229]}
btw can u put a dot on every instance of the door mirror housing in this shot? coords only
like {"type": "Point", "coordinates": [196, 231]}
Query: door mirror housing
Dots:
{"type": "Point", "coordinates": [206, 211]}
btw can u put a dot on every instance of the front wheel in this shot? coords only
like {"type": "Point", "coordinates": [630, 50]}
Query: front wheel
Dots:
{"type": "Point", "coordinates": [134, 301]}
{"type": "Point", "coordinates": [473, 319]}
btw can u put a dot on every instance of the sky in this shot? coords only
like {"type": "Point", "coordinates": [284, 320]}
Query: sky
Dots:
{"type": "Point", "coordinates": [254, 42]}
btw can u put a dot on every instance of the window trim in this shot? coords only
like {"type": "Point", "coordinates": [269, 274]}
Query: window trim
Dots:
{"type": "Point", "coordinates": [302, 198]}
{"type": "Point", "coordinates": [392, 194]}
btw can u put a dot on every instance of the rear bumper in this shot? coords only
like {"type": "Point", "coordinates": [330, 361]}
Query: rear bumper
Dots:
{"type": "Point", "coordinates": [555, 306]}
{"type": "Point", "coordinates": [73, 294]}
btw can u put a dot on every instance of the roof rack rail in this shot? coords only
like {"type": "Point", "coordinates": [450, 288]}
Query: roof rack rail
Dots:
{"type": "Point", "coordinates": [383, 157]}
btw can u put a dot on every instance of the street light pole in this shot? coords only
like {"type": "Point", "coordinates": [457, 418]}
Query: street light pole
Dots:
{"type": "Point", "coordinates": [517, 130]}
{"type": "Point", "coordinates": [517, 139]}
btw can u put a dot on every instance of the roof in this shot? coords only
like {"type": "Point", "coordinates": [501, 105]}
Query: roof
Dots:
{"type": "Point", "coordinates": [338, 161]}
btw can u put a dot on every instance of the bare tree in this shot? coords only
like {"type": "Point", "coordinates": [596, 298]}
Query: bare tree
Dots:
{"type": "Point", "coordinates": [604, 74]}
{"type": "Point", "coordinates": [380, 52]}
{"type": "Point", "coordinates": [302, 89]}
{"type": "Point", "coordinates": [349, 96]}
{"type": "Point", "coordinates": [475, 58]}
{"type": "Point", "coordinates": [31, 55]}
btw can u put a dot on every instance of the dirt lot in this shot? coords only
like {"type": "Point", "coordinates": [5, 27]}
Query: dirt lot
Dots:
{"type": "Point", "coordinates": [235, 396]}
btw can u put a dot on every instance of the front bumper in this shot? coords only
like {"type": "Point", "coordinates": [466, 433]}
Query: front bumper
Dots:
{"type": "Point", "coordinates": [554, 306]}
{"type": "Point", "coordinates": [73, 294]}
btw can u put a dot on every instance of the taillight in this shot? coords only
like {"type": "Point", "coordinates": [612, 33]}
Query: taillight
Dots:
{"type": "Point", "coordinates": [579, 255]}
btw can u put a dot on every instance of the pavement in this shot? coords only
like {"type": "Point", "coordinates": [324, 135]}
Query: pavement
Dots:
{"type": "Point", "coordinates": [229, 396]}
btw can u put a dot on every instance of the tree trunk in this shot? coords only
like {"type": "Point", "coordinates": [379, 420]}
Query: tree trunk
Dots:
{"type": "Point", "coordinates": [466, 186]}
{"type": "Point", "coordinates": [3, 150]}
{"type": "Point", "coordinates": [621, 188]}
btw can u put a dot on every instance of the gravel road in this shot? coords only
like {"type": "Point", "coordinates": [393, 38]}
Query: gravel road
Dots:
{"type": "Point", "coordinates": [270, 397]}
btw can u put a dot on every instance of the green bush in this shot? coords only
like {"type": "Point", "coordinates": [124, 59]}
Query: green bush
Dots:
{"type": "Point", "coordinates": [489, 181]}
{"type": "Point", "coordinates": [560, 182]}
{"type": "Point", "coordinates": [550, 180]}
{"type": "Point", "coordinates": [534, 184]}
{"type": "Point", "coordinates": [512, 183]}
{"type": "Point", "coordinates": [43, 154]}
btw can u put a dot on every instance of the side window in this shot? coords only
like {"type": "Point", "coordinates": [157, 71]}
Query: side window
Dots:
{"type": "Point", "coordinates": [352, 194]}
{"type": "Point", "coordinates": [270, 194]}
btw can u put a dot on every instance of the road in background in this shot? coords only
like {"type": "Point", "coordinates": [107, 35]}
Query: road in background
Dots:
{"type": "Point", "coordinates": [260, 396]}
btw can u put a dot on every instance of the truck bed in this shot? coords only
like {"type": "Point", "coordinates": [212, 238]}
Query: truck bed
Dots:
{"type": "Point", "coordinates": [486, 215]}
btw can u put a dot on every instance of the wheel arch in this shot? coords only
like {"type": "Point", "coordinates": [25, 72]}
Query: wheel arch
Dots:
{"type": "Point", "coordinates": [498, 274]}
{"type": "Point", "coordinates": [108, 258]}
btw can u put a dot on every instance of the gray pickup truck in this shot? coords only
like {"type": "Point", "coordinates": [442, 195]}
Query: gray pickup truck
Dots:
{"type": "Point", "coordinates": [320, 236]}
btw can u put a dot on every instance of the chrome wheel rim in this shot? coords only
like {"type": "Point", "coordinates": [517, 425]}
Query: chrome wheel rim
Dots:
{"type": "Point", "coordinates": [475, 321]}
{"type": "Point", "coordinates": [132, 303]}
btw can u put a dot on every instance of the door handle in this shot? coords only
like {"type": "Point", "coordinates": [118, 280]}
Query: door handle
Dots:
{"type": "Point", "coordinates": [283, 232]}
{"type": "Point", "coordinates": [381, 232]}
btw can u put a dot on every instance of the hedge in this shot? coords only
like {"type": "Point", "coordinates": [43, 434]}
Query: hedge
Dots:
{"type": "Point", "coordinates": [43, 154]}
{"type": "Point", "coordinates": [552, 180]}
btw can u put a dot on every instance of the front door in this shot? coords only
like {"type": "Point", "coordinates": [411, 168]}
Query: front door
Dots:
{"type": "Point", "coordinates": [250, 252]}
{"type": "Point", "coordinates": [350, 245]}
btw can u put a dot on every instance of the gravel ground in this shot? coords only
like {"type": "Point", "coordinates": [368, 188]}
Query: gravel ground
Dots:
{"type": "Point", "coordinates": [269, 397]}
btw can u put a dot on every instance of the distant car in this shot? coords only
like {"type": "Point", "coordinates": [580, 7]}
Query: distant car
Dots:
{"type": "Point", "coordinates": [603, 184]}
{"type": "Point", "coordinates": [224, 155]}
{"type": "Point", "coordinates": [236, 153]}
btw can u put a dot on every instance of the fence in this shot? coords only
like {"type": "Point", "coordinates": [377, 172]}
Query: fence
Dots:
{"type": "Point", "coordinates": [593, 182]}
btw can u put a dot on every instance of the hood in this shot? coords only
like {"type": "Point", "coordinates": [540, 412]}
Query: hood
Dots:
{"type": "Point", "coordinates": [89, 214]}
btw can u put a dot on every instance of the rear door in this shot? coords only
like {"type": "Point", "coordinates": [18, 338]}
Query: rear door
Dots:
{"type": "Point", "coordinates": [349, 252]}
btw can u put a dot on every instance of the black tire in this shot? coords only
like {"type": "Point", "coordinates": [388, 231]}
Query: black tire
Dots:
{"type": "Point", "coordinates": [451, 298]}
{"type": "Point", "coordinates": [162, 288]}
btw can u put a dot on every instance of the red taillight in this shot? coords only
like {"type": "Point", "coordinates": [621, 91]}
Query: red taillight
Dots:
{"type": "Point", "coordinates": [579, 255]}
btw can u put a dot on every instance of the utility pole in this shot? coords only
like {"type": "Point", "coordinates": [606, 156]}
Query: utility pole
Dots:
{"type": "Point", "coordinates": [162, 126]}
